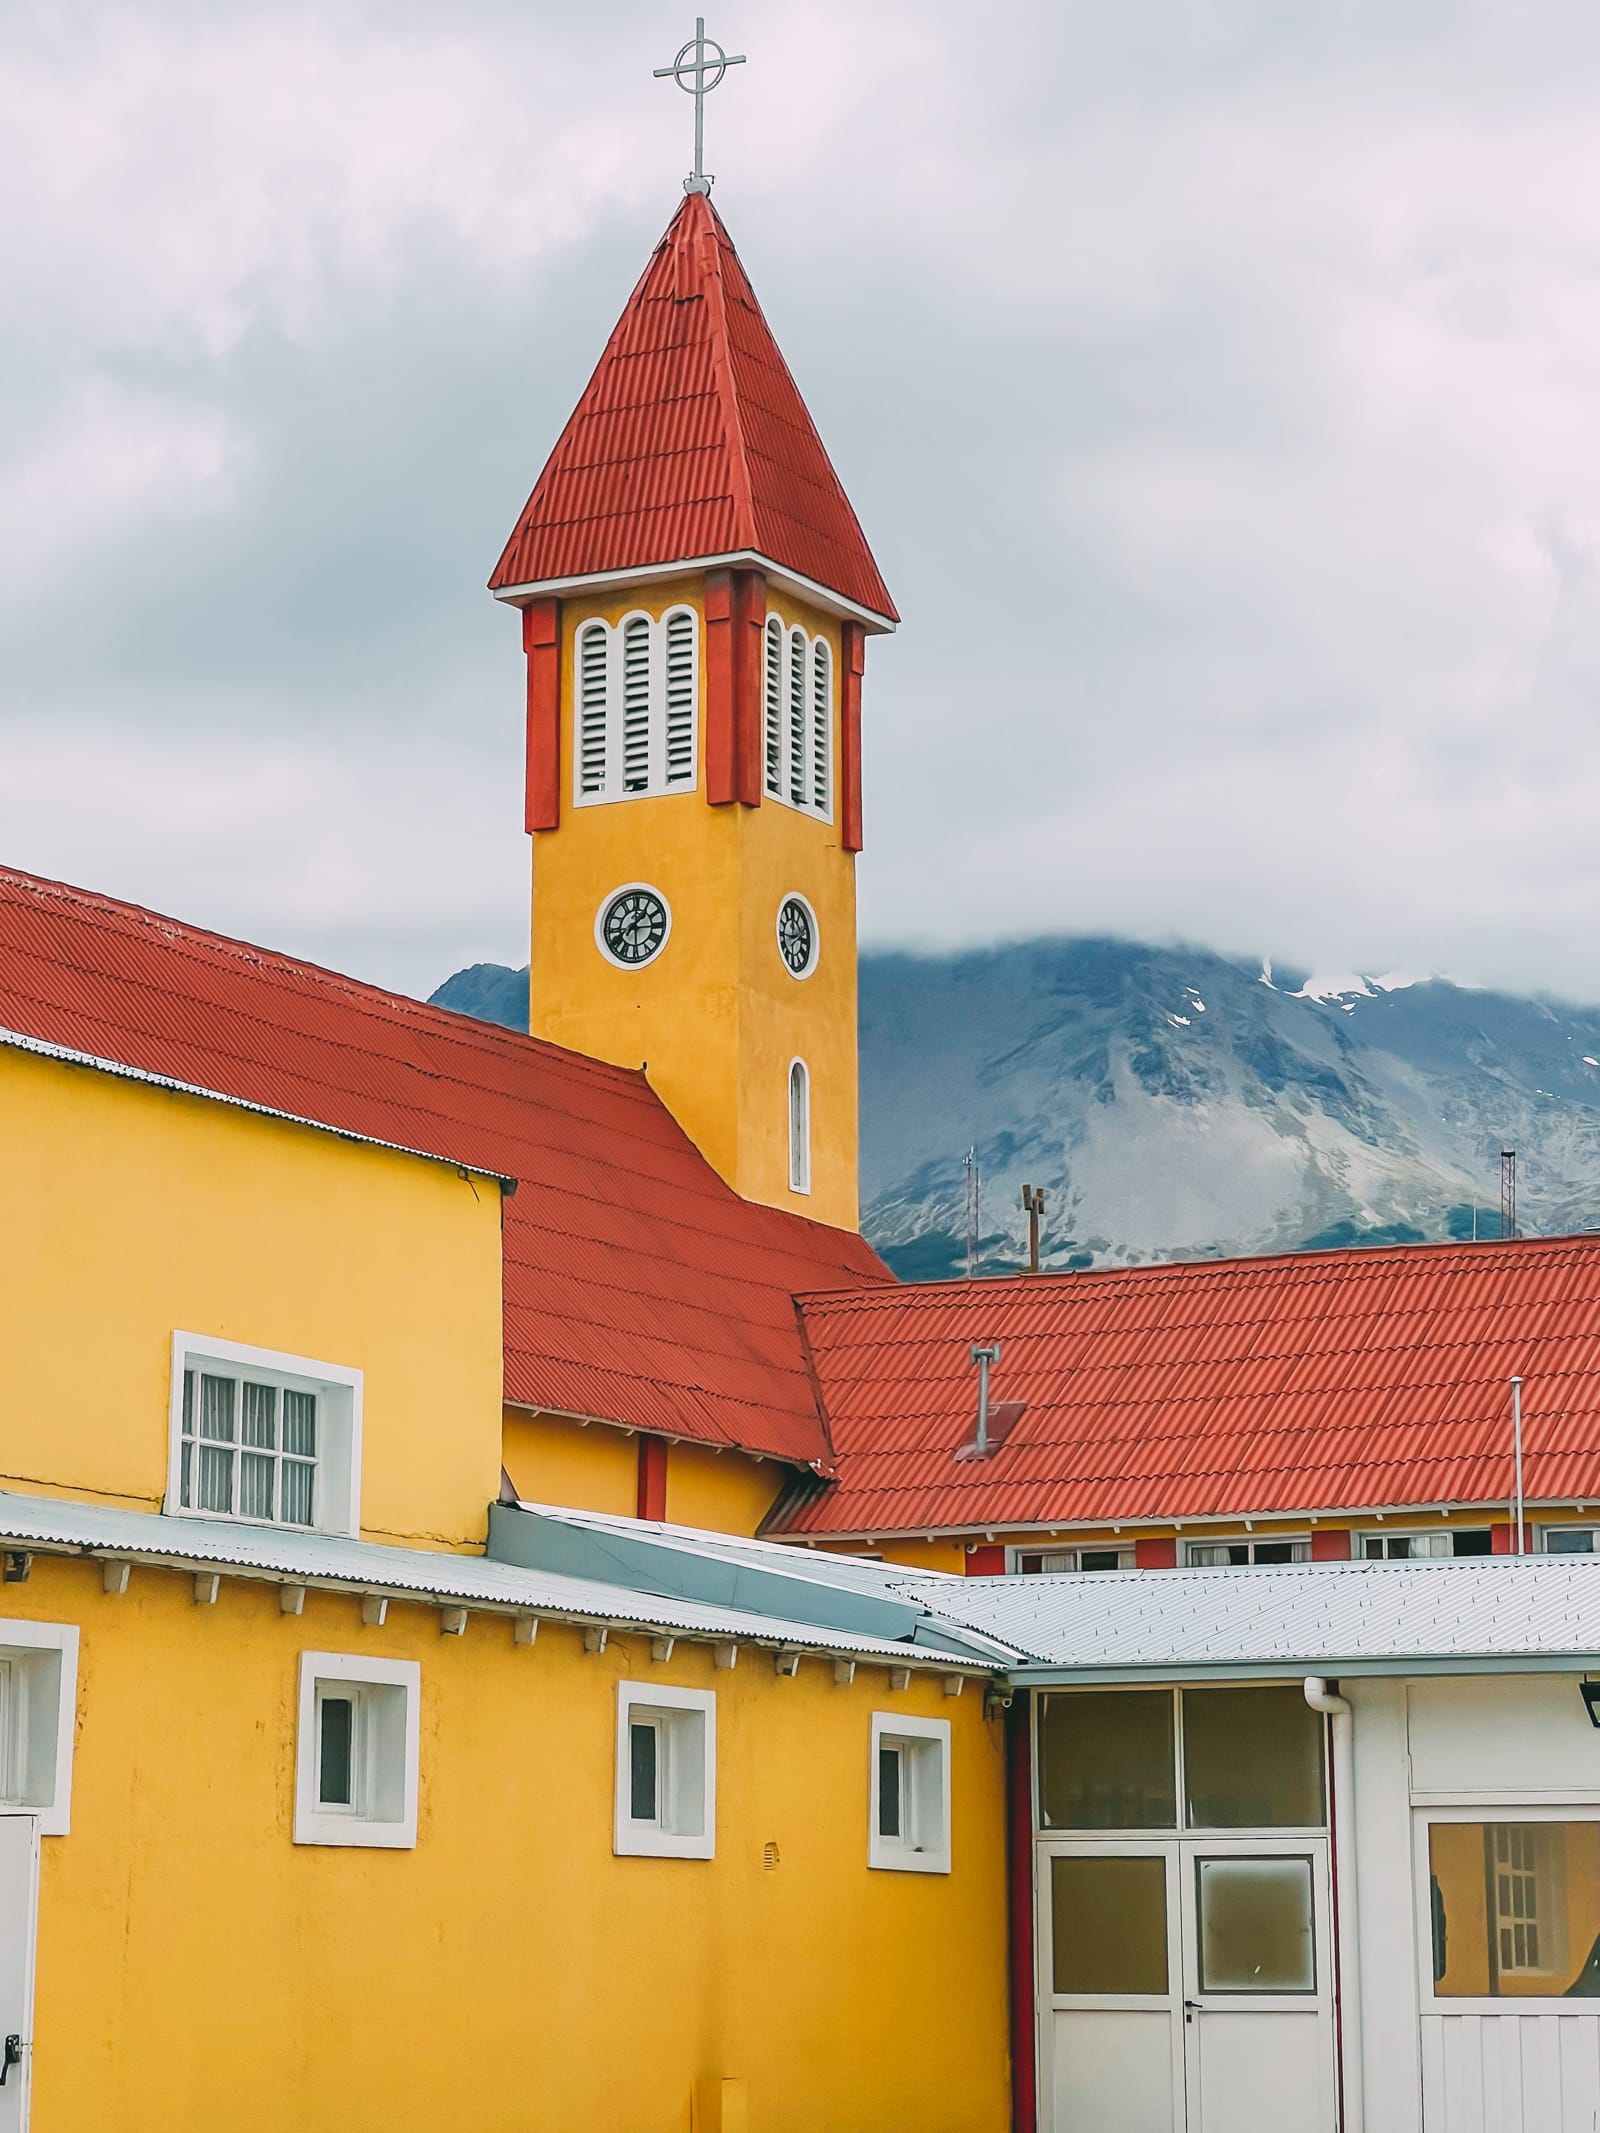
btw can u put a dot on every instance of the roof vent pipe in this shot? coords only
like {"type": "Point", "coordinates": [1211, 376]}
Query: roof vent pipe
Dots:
{"type": "Point", "coordinates": [986, 1359]}
{"type": "Point", "coordinates": [1321, 1698]}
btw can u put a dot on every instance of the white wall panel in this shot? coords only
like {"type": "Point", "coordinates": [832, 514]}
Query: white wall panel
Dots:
{"type": "Point", "coordinates": [1524, 1734]}
{"type": "Point", "coordinates": [1511, 2073]}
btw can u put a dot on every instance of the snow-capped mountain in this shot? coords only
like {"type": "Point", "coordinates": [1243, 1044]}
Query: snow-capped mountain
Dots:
{"type": "Point", "coordinates": [1176, 1104]}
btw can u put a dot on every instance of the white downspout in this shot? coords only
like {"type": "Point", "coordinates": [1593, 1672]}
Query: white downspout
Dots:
{"type": "Point", "coordinates": [1344, 1836]}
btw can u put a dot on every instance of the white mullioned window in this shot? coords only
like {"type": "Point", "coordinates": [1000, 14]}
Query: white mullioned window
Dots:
{"type": "Point", "coordinates": [263, 1437]}
{"type": "Point", "coordinates": [357, 1755]}
{"type": "Point", "coordinates": [666, 1787]}
{"type": "Point", "coordinates": [1048, 1562]}
{"type": "Point", "coordinates": [909, 1831]}
{"type": "Point", "coordinates": [1210, 1554]}
{"type": "Point", "coordinates": [636, 691]}
{"type": "Point", "coordinates": [799, 1126]}
{"type": "Point", "coordinates": [38, 1709]}
{"type": "Point", "coordinates": [797, 719]}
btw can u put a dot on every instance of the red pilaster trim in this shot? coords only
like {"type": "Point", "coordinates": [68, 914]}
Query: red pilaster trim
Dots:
{"type": "Point", "coordinates": [853, 646]}
{"type": "Point", "coordinates": [651, 1498]}
{"type": "Point", "coordinates": [1502, 1539]}
{"type": "Point", "coordinates": [541, 640]}
{"type": "Point", "coordinates": [1330, 1547]}
{"type": "Point", "coordinates": [986, 1562]}
{"type": "Point", "coordinates": [1157, 1554]}
{"type": "Point", "coordinates": [749, 621]}
{"type": "Point", "coordinates": [721, 700]}
{"type": "Point", "coordinates": [1019, 1912]}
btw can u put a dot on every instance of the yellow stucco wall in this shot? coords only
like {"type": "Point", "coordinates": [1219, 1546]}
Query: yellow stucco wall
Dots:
{"type": "Point", "coordinates": [724, 1492]}
{"type": "Point", "coordinates": [133, 1212]}
{"type": "Point", "coordinates": [717, 1017]}
{"type": "Point", "coordinates": [198, 1969]}
{"type": "Point", "coordinates": [587, 1467]}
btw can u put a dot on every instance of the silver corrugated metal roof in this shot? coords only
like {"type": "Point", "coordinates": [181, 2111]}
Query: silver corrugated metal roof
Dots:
{"type": "Point", "coordinates": [14, 1040]}
{"type": "Point", "coordinates": [1529, 1612]}
{"type": "Point", "coordinates": [423, 1574]}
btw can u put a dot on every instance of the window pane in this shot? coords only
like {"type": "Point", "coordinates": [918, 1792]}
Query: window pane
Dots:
{"type": "Point", "coordinates": [300, 1423]}
{"type": "Point", "coordinates": [188, 1403]}
{"type": "Point", "coordinates": [255, 1485]}
{"type": "Point", "coordinates": [889, 1792]}
{"type": "Point", "coordinates": [336, 1759]}
{"type": "Point", "coordinates": [1255, 1925]}
{"type": "Point", "coordinates": [1252, 1759]}
{"type": "Point", "coordinates": [186, 1455]}
{"type": "Point", "coordinates": [216, 1478]}
{"type": "Point", "coordinates": [1569, 1540]}
{"type": "Point", "coordinates": [1108, 1924]}
{"type": "Point", "coordinates": [1282, 1551]}
{"type": "Point", "coordinates": [1100, 1559]}
{"type": "Point", "coordinates": [260, 1415]}
{"type": "Point", "coordinates": [644, 1765]}
{"type": "Point", "coordinates": [216, 1408]}
{"type": "Point", "coordinates": [298, 1491]}
{"type": "Point", "coordinates": [1515, 1909]}
{"type": "Point", "coordinates": [1106, 1761]}
{"type": "Point", "coordinates": [1476, 1540]}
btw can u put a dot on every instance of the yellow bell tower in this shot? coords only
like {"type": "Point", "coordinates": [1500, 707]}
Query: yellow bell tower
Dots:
{"type": "Point", "coordinates": [696, 597]}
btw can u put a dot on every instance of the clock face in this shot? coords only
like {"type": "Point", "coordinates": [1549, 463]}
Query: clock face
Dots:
{"type": "Point", "coordinates": [797, 936]}
{"type": "Point", "coordinates": [634, 925]}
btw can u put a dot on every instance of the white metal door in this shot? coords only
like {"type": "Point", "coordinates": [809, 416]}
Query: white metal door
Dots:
{"type": "Point", "coordinates": [1258, 1986]}
{"type": "Point", "coordinates": [1186, 1986]}
{"type": "Point", "coordinates": [19, 1899]}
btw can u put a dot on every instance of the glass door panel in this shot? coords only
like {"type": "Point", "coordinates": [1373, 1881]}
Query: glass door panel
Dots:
{"type": "Point", "coordinates": [1109, 1923]}
{"type": "Point", "coordinates": [1255, 1925]}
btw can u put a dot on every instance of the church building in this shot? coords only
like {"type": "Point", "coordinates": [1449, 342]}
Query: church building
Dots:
{"type": "Point", "coordinates": [506, 1623]}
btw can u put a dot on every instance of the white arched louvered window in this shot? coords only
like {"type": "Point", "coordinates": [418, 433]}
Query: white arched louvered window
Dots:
{"type": "Point", "coordinates": [637, 696]}
{"type": "Point", "coordinates": [799, 1127]}
{"type": "Point", "coordinates": [797, 719]}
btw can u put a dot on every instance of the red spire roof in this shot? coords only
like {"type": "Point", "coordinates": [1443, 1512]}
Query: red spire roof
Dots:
{"type": "Point", "coordinates": [692, 440]}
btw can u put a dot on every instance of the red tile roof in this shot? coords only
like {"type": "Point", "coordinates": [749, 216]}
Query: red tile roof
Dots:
{"type": "Point", "coordinates": [691, 439]}
{"type": "Point", "coordinates": [1354, 1379]}
{"type": "Point", "coordinates": [639, 1288]}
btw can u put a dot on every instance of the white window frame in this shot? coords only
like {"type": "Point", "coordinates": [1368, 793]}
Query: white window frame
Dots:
{"type": "Point", "coordinates": [798, 1121]}
{"type": "Point", "coordinates": [336, 1490]}
{"type": "Point", "coordinates": [1252, 1541]}
{"type": "Point", "coordinates": [1061, 1560]}
{"type": "Point", "coordinates": [1485, 1809]}
{"type": "Point", "coordinates": [788, 709]}
{"type": "Point", "coordinates": [1360, 1537]}
{"type": "Point", "coordinates": [1569, 1526]}
{"type": "Point", "coordinates": [388, 1696]}
{"type": "Point", "coordinates": [923, 1846]}
{"type": "Point", "coordinates": [686, 1772]}
{"type": "Point", "coordinates": [671, 715]}
{"type": "Point", "coordinates": [38, 1710]}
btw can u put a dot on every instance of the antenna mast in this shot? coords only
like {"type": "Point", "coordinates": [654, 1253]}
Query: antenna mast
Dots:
{"type": "Point", "coordinates": [973, 1188]}
{"type": "Point", "coordinates": [1508, 1192]}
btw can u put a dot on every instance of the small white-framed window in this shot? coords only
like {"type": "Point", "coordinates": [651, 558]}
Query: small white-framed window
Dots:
{"type": "Point", "coordinates": [1046, 1562]}
{"type": "Point", "coordinates": [357, 1751]}
{"type": "Point", "coordinates": [666, 1799]}
{"type": "Point", "coordinates": [1570, 1540]}
{"type": "Point", "coordinates": [38, 1704]}
{"type": "Point", "coordinates": [636, 705]}
{"type": "Point", "coordinates": [1202, 1555]}
{"type": "Point", "coordinates": [263, 1438]}
{"type": "Point", "coordinates": [1421, 1547]}
{"type": "Point", "coordinates": [909, 1831]}
{"type": "Point", "coordinates": [797, 697]}
{"type": "Point", "coordinates": [799, 1126]}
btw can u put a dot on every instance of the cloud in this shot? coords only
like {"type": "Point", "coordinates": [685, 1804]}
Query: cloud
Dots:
{"type": "Point", "coordinates": [1213, 379]}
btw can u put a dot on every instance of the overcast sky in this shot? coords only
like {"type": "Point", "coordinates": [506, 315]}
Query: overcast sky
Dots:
{"type": "Point", "coordinates": [1218, 382]}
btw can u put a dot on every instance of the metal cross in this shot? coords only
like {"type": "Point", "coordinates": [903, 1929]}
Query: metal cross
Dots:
{"type": "Point", "coordinates": [697, 77]}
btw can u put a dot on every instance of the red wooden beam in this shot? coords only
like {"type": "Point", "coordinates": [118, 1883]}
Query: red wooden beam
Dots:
{"type": "Point", "coordinates": [853, 646]}
{"type": "Point", "coordinates": [541, 640]}
{"type": "Point", "coordinates": [651, 1498]}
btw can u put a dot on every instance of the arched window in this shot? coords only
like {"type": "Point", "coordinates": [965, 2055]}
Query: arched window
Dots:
{"type": "Point", "coordinates": [799, 1127]}
{"type": "Point", "coordinates": [797, 719]}
{"type": "Point", "coordinates": [637, 692]}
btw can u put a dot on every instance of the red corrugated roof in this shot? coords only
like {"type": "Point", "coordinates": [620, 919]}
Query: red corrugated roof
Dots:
{"type": "Point", "coordinates": [1317, 1381]}
{"type": "Point", "coordinates": [691, 439]}
{"type": "Point", "coordinates": [639, 1288]}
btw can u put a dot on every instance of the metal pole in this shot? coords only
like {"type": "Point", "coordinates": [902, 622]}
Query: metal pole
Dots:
{"type": "Point", "coordinates": [1516, 1453]}
{"type": "Point", "coordinates": [983, 1357]}
{"type": "Point", "coordinates": [700, 96]}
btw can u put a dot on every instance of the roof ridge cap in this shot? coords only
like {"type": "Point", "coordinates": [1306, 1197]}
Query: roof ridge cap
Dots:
{"type": "Point", "coordinates": [716, 296]}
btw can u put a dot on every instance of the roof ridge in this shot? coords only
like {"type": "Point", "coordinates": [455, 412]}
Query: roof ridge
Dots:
{"type": "Point", "coordinates": [716, 297]}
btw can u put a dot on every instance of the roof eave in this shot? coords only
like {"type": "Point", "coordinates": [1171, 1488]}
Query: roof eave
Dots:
{"type": "Point", "coordinates": [835, 603]}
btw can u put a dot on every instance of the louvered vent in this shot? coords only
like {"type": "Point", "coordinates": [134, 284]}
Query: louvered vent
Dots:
{"type": "Point", "coordinates": [773, 701]}
{"type": "Point", "coordinates": [821, 727]}
{"type": "Point", "coordinates": [636, 633]}
{"type": "Point", "coordinates": [592, 709]}
{"type": "Point", "coordinates": [680, 697]}
{"type": "Point", "coordinates": [797, 717]}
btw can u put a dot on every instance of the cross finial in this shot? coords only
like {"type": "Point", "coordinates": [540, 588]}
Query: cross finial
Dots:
{"type": "Point", "coordinates": [698, 76]}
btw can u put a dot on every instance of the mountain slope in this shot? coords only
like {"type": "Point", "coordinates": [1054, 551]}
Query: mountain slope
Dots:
{"type": "Point", "coordinates": [1176, 1104]}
